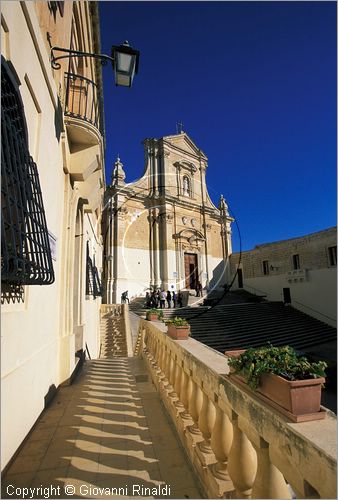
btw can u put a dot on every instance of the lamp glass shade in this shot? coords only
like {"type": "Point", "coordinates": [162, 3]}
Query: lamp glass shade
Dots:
{"type": "Point", "coordinates": [125, 64]}
{"type": "Point", "coordinates": [122, 80]}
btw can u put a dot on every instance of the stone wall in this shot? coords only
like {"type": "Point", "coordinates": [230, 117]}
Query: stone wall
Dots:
{"type": "Point", "coordinates": [313, 287]}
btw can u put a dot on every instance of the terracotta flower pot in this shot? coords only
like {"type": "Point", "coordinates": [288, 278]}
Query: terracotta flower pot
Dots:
{"type": "Point", "coordinates": [234, 354]}
{"type": "Point", "coordinates": [299, 400]}
{"type": "Point", "coordinates": [178, 332]}
{"type": "Point", "coordinates": [297, 396]}
{"type": "Point", "coordinates": [152, 317]}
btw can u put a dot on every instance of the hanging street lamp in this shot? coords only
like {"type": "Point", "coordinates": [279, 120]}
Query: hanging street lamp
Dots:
{"type": "Point", "coordinates": [124, 59]}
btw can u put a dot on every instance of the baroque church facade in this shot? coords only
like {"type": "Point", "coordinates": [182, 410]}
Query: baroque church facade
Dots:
{"type": "Point", "coordinates": [163, 231]}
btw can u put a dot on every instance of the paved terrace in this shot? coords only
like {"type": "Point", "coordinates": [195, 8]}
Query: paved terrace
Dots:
{"type": "Point", "coordinates": [107, 430]}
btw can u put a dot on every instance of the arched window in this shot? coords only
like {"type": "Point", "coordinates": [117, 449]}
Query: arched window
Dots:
{"type": "Point", "coordinates": [26, 256]}
{"type": "Point", "coordinates": [186, 186]}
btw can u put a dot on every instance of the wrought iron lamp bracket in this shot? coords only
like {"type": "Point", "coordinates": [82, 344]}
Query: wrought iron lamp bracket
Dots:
{"type": "Point", "coordinates": [75, 53]}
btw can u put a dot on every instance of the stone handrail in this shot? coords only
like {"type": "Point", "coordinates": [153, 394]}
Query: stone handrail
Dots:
{"type": "Point", "coordinates": [239, 446]}
{"type": "Point", "coordinates": [114, 309]}
{"type": "Point", "coordinates": [127, 329]}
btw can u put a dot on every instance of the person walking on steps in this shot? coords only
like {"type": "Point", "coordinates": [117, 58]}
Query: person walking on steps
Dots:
{"type": "Point", "coordinates": [169, 299]}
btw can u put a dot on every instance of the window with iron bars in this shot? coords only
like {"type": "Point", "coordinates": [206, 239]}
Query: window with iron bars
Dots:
{"type": "Point", "coordinates": [55, 6]}
{"type": "Point", "coordinates": [25, 251]}
{"type": "Point", "coordinates": [93, 284]}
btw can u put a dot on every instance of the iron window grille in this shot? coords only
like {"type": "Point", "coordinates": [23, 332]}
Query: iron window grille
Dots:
{"type": "Point", "coordinates": [93, 284]}
{"type": "Point", "coordinates": [25, 251]}
{"type": "Point", "coordinates": [55, 6]}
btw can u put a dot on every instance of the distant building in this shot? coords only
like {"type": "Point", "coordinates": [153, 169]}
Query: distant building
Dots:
{"type": "Point", "coordinates": [52, 190]}
{"type": "Point", "coordinates": [163, 231]}
{"type": "Point", "coordinates": [301, 271]}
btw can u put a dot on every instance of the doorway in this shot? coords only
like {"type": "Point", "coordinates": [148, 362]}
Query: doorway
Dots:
{"type": "Point", "coordinates": [286, 296]}
{"type": "Point", "coordinates": [240, 278]}
{"type": "Point", "coordinates": [191, 270]}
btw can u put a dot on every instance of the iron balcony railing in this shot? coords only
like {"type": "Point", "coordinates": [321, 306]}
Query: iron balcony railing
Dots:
{"type": "Point", "coordinates": [83, 99]}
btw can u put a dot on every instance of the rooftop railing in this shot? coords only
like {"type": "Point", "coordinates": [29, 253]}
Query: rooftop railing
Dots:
{"type": "Point", "coordinates": [239, 447]}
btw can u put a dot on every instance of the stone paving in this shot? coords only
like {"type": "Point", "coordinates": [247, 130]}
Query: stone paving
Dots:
{"type": "Point", "coordinates": [107, 430]}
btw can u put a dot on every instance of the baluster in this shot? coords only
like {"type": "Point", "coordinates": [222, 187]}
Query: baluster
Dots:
{"type": "Point", "coordinates": [269, 482]}
{"type": "Point", "coordinates": [195, 406]}
{"type": "Point", "coordinates": [167, 368]}
{"type": "Point", "coordinates": [172, 372]}
{"type": "Point", "coordinates": [176, 378]}
{"type": "Point", "coordinates": [184, 387]}
{"type": "Point", "coordinates": [149, 347]}
{"type": "Point", "coordinates": [159, 360]}
{"type": "Point", "coordinates": [156, 351]}
{"type": "Point", "coordinates": [178, 386]}
{"type": "Point", "coordinates": [221, 441]}
{"type": "Point", "coordinates": [153, 350]}
{"type": "Point", "coordinates": [164, 378]}
{"type": "Point", "coordinates": [206, 422]}
{"type": "Point", "coordinates": [163, 363]}
{"type": "Point", "coordinates": [242, 462]}
{"type": "Point", "coordinates": [186, 395]}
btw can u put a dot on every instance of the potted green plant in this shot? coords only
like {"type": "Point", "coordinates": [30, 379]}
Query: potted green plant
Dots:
{"type": "Point", "coordinates": [282, 376]}
{"type": "Point", "coordinates": [178, 328]}
{"type": "Point", "coordinates": [154, 314]}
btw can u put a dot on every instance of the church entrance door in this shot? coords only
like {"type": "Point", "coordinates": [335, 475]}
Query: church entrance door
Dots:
{"type": "Point", "coordinates": [191, 270]}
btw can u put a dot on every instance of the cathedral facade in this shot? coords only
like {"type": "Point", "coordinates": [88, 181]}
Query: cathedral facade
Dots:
{"type": "Point", "coordinates": [163, 231]}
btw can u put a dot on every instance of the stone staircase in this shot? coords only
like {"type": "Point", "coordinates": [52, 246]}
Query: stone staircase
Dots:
{"type": "Point", "coordinates": [232, 325]}
{"type": "Point", "coordinates": [112, 336]}
{"type": "Point", "coordinates": [244, 323]}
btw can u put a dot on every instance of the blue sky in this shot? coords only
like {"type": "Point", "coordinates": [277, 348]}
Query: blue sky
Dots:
{"type": "Point", "coordinates": [254, 84]}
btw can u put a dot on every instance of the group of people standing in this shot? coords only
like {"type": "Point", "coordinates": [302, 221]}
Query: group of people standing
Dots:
{"type": "Point", "coordinates": [158, 298]}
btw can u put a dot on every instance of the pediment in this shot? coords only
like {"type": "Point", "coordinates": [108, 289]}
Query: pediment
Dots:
{"type": "Point", "coordinates": [183, 142]}
{"type": "Point", "coordinates": [190, 233]}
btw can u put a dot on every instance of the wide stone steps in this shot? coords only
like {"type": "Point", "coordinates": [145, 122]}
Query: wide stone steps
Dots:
{"type": "Point", "coordinates": [243, 325]}
{"type": "Point", "coordinates": [112, 337]}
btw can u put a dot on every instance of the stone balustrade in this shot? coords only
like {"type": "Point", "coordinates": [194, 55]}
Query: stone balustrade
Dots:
{"type": "Point", "coordinates": [113, 309]}
{"type": "Point", "coordinates": [239, 446]}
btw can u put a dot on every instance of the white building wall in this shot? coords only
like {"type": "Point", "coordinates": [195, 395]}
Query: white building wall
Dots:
{"type": "Point", "coordinates": [317, 296]}
{"type": "Point", "coordinates": [32, 338]}
{"type": "Point", "coordinates": [216, 272]}
{"type": "Point", "coordinates": [133, 272]}
{"type": "Point", "coordinates": [173, 273]}
{"type": "Point", "coordinates": [29, 341]}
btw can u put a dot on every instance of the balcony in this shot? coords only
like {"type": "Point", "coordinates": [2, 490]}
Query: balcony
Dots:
{"type": "Point", "coordinates": [297, 276]}
{"type": "Point", "coordinates": [82, 99]}
{"type": "Point", "coordinates": [83, 120]}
